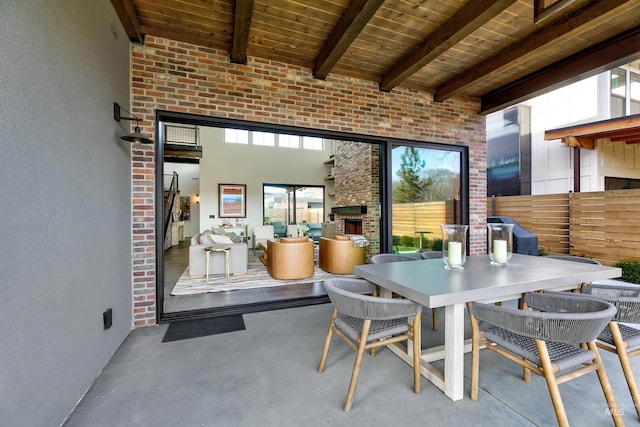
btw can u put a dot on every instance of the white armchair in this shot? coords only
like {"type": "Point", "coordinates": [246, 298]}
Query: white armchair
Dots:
{"type": "Point", "coordinates": [262, 233]}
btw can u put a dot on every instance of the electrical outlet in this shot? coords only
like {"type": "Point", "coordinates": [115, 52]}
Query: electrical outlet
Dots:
{"type": "Point", "coordinates": [212, 216]}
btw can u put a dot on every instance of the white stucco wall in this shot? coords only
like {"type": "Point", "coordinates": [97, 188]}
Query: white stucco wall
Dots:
{"type": "Point", "coordinates": [552, 162]}
{"type": "Point", "coordinates": [65, 187]}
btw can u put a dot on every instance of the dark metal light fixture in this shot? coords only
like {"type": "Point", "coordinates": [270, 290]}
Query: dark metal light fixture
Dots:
{"type": "Point", "coordinates": [137, 136]}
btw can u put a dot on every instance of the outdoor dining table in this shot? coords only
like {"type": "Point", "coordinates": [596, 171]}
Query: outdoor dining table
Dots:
{"type": "Point", "coordinates": [427, 282]}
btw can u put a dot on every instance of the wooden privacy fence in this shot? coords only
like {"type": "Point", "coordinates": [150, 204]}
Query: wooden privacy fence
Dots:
{"type": "Point", "coordinates": [411, 218]}
{"type": "Point", "coordinates": [604, 225]}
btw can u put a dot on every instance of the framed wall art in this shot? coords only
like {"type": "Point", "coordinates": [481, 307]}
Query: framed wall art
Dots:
{"type": "Point", "coordinates": [232, 201]}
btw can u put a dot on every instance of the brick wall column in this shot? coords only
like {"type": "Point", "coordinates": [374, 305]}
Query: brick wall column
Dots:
{"type": "Point", "coordinates": [143, 235]}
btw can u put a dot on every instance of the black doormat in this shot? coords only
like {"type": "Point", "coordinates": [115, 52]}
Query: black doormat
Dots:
{"type": "Point", "coordinates": [186, 329]}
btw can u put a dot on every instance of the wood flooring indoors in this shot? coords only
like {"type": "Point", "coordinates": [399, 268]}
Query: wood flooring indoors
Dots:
{"type": "Point", "coordinates": [176, 259]}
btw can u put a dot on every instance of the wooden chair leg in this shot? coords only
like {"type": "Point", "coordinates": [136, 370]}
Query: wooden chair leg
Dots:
{"type": "Point", "coordinates": [417, 350]}
{"type": "Point", "coordinates": [552, 384]}
{"type": "Point", "coordinates": [621, 350]}
{"type": "Point", "coordinates": [357, 365]}
{"type": "Point", "coordinates": [616, 414]}
{"type": "Point", "coordinates": [327, 342]}
{"type": "Point", "coordinates": [434, 318]}
{"type": "Point", "coordinates": [626, 365]}
{"type": "Point", "coordinates": [475, 356]}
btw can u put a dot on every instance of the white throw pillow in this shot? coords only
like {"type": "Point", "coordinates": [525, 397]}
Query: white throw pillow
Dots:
{"type": "Point", "coordinates": [222, 240]}
{"type": "Point", "coordinates": [206, 239]}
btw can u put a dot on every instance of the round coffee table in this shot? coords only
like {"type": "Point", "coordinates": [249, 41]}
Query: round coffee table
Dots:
{"type": "Point", "coordinates": [210, 249]}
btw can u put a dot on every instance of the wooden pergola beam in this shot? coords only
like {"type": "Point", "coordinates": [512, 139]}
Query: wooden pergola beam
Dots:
{"type": "Point", "coordinates": [471, 17]}
{"type": "Point", "coordinates": [126, 12]}
{"type": "Point", "coordinates": [592, 12]}
{"type": "Point", "coordinates": [343, 35]}
{"type": "Point", "coordinates": [241, 25]}
{"type": "Point", "coordinates": [615, 51]}
{"type": "Point", "coordinates": [578, 141]}
{"type": "Point", "coordinates": [542, 12]}
{"type": "Point", "coordinates": [612, 128]}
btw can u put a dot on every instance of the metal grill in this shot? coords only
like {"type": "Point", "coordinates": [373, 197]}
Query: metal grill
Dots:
{"type": "Point", "coordinates": [187, 135]}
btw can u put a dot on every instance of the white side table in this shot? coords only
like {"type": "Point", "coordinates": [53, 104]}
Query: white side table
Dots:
{"type": "Point", "coordinates": [226, 251]}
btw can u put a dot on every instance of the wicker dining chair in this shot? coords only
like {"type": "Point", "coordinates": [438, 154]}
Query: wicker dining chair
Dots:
{"type": "Point", "coordinates": [556, 341]}
{"type": "Point", "coordinates": [366, 322]}
{"type": "Point", "coordinates": [621, 338]}
{"type": "Point", "coordinates": [431, 254]}
{"type": "Point", "coordinates": [383, 258]}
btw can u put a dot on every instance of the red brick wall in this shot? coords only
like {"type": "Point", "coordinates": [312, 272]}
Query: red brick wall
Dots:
{"type": "Point", "coordinates": [357, 183]}
{"type": "Point", "coordinates": [178, 76]}
{"type": "Point", "coordinates": [143, 235]}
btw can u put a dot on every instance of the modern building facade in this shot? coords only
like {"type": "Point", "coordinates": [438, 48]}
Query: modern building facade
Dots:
{"type": "Point", "coordinates": [535, 165]}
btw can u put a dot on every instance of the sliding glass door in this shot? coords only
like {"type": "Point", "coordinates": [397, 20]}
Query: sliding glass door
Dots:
{"type": "Point", "coordinates": [426, 191]}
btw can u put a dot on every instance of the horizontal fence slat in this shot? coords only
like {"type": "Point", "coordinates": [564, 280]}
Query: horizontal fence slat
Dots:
{"type": "Point", "coordinates": [603, 225]}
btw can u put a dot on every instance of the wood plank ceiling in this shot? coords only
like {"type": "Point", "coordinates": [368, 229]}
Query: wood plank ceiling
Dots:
{"type": "Point", "coordinates": [493, 50]}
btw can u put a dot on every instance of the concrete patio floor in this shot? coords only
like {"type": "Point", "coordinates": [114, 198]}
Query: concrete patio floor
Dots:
{"type": "Point", "coordinates": [266, 376]}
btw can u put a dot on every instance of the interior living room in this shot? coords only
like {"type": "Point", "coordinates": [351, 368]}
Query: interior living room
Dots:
{"type": "Point", "coordinates": [285, 179]}
{"type": "Point", "coordinates": [84, 225]}
{"type": "Point", "coordinates": [271, 169]}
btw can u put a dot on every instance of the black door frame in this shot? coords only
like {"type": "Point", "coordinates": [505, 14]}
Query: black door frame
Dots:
{"type": "Point", "coordinates": [164, 116]}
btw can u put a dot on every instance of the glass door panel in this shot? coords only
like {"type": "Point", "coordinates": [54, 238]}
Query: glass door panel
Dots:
{"type": "Point", "coordinates": [425, 192]}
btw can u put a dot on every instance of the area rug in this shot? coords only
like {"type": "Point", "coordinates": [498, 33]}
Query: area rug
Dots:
{"type": "Point", "coordinates": [186, 329]}
{"type": "Point", "coordinates": [256, 277]}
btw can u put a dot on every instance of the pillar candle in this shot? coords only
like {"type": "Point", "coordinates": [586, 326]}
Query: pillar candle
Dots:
{"type": "Point", "coordinates": [454, 254]}
{"type": "Point", "coordinates": [500, 251]}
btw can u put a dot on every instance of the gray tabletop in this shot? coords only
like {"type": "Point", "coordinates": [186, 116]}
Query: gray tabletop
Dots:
{"type": "Point", "coordinates": [427, 281]}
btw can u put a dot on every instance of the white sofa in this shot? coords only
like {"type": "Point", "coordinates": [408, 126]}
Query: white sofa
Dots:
{"type": "Point", "coordinates": [238, 256]}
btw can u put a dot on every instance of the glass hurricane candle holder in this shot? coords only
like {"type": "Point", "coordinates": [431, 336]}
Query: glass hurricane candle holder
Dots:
{"type": "Point", "coordinates": [500, 243]}
{"type": "Point", "coordinates": [454, 246]}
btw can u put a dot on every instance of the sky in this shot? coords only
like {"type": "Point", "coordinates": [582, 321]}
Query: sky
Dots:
{"type": "Point", "coordinates": [434, 159]}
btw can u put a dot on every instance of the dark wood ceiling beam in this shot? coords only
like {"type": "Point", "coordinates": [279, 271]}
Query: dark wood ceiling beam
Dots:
{"type": "Point", "coordinates": [593, 12]}
{"type": "Point", "coordinates": [542, 12]}
{"type": "Point", "coordinates": [129, 19]}
{"type": "Point", "coordinates": [345, 32]}
{"type": "Point", "coordinates": [616, 51]}
{"type": "Point", "coordinates": [623, 136]}
{"type": "Point", "coordinates": [471, 17]}
{"type": "Point", "coordinates": [241, 25]}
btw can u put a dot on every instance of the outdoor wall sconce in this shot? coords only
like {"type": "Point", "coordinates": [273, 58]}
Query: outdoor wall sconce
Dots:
{"type": "Point", "coordinates": [137, 136]}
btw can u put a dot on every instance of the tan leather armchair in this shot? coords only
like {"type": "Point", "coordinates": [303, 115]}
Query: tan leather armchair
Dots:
{"type": "Point", "coordinates": [338, 256]}
{"type": "Point", "coordinates": [289, 258]}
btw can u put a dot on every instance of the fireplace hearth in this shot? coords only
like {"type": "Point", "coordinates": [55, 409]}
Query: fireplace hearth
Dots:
{"type": "Point", "coordinates": [352, 226]}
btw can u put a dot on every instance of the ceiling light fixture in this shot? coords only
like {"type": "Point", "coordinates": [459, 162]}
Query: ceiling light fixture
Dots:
{"type": "Point", "coordinates": [137, 136]}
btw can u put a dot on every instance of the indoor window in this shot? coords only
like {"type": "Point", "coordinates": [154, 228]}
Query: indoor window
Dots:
{"type": "Point", "coordinates": [236, 136]}
{"type": "Point", "coordinates": [312, 143]}
{"type": "Point", "coordinates": [288, 141]}
{"type": "Point", "coordinates": [263, 138]}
